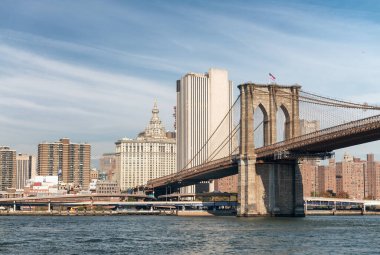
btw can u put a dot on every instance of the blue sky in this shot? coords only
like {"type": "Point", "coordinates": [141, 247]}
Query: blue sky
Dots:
{"type": "Point", "coordinates": [91, 70]}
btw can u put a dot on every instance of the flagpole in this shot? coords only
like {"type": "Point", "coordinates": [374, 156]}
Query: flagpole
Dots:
{"type": "Point", "coordinates": [272, 78]}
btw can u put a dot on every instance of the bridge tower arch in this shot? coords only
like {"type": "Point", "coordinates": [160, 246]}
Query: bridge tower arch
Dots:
{"type": "Point", "coordinates": [268, 188]}
{"type": "Point", "coordinates": [264, 135]}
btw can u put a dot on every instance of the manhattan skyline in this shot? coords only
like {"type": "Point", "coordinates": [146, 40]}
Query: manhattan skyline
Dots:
{"type": "Point", "coordinates": [91, 71]}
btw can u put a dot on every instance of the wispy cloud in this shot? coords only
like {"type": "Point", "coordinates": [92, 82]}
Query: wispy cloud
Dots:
{"type": "Point", "coordinates": [91, 72]}
{"type": "Point", "coordinates": [74, 100]}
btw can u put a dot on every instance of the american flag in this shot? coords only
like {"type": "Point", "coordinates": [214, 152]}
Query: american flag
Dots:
{"type": "Point", "coordinates": [271, 76]}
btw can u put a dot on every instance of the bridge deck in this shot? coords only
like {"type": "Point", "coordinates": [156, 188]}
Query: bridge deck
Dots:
{"type": "Point", "coordinates": [326, 140]}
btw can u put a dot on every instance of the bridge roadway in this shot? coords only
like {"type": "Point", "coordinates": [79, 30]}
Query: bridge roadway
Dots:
{"type": "Point", "coordinates": [325, 140]}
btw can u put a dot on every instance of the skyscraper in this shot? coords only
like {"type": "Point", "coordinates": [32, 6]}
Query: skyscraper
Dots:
{"type": "Point", "coordinates": [151, 155]}
{"type": "Point", "coordinates": [203, 100]}
{"type": "Point", "coordinates": [7, 168]}
{"type": "Point", "coordinates": [107, 164]}
{"type": "Point", "coordinates": [70, 161]}
{"type": "Point", "coordinates": [26, 167]}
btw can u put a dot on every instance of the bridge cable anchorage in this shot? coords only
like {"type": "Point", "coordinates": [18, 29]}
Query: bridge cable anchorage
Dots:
{"type": "Point", "coordinates": [228, 116]}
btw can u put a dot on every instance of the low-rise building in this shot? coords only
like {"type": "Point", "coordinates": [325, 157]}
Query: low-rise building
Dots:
{"type": "Point", "coordinates": [94, 174]}
{"type": "Point", "coordinates": [104, 187]}
{"type": "Point", "coordinates": [43, 186]}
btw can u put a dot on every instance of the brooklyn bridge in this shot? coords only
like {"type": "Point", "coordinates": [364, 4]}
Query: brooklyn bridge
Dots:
{"type": "Point", "coordinates": [260, 139]}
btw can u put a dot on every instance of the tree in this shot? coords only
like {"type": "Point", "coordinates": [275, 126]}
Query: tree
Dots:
{"type": "Point", "coordinates": [342, 194]}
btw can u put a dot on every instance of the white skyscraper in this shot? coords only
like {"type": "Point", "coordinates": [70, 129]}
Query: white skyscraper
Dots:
{"type": "Point", "coordinates": [203, 100]}
{"type": "Point", "coordinates": [151, 155]}
{"type": "Point", "coordinates": [26, 169]}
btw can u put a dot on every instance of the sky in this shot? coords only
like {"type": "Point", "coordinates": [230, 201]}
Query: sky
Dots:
{"type": "Point", "coordinates": [91, 70]}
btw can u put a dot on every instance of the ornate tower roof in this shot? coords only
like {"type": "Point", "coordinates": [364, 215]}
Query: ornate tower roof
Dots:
{"type": "Point", "coordinates": [155, 128]}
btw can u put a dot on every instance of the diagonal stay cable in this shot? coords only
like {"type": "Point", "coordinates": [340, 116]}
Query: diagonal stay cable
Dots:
{"type": "Point", "coordinates": [200, 150]}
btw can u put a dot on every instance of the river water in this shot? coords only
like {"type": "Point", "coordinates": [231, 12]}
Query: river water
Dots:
{"type": "Point", "coordinates": [189, 235]}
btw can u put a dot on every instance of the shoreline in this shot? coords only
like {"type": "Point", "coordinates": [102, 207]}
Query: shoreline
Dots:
{"type": "Point", "coordinates": [175, 213]}
{"type": "Point", "coordinates": [340, 213]}
{"type": "Point", "coordinates": [118, 213]}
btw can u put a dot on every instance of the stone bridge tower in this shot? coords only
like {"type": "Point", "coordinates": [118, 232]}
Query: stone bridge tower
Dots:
{"type": "Point", "coordinates": [268, 187]}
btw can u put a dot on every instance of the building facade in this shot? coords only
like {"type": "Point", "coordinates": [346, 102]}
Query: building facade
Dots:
{"type": "Point", "coordinates": [372, 178]}
{"type": "Point", "coordinates": [227, 184]}
{"type": "Point", "coordinates": [107, 164]}
{"type": "Point", "coordinates": [43, 186]}
{"type": "Point", "coordinates": [107, 187]}
{"type": "Point", "coordinates": [312, 173]}
{"type": "Point", "coordinates": [309, 126]}
{"type": "Point", "coordinates": [310, 177]}
{"type": "Point", "coordinates": [94, 174]}
{"type": "Point", "coordinates": [352, 178]}
{"type": "Point", "coordinates": [26, 169]}
{"type": "Point", "coordinates": [151, 155]}
{"type": "Point", "coordinates": [69, 161]}
{"type": "Point", "coordinates": [8, 168]}
{"type": "Point", "coordinates": [203, 100]}
{"type": "Point", "coordinates": [328, 177]}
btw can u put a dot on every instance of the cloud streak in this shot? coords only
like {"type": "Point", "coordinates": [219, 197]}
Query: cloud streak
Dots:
{"type": "Point", "coordinates": [70, 99]}
{"type": "Point", "coordinates": [92, 72]}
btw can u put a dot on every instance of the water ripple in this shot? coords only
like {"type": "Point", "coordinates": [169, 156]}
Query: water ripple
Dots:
{"type": "Point", "coordinates": [187, 235]}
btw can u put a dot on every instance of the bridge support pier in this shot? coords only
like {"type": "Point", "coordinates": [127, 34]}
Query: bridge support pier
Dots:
{"type": "Point", "coordinates": [270, 189]}
{"type": "Point", "coordinates": [247, 204]}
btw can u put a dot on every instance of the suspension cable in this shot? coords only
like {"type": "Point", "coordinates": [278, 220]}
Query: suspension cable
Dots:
{"type": "Point", "coordinates": [201, 149]}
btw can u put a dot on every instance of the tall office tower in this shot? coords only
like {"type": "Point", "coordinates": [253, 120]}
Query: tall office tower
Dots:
{"type": "Point", "coordinates": [26, 167]}
{"type": "Point", "coordinates": [7, 168]}
{"type": "Point", "coordinates": [151, 155]}
{"type": "Point", "coordinates": [107, 164]}
{"type": "Point", "coordinates": [70, 161]}
{"type": "Point", "coordinates": [203, 100]}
